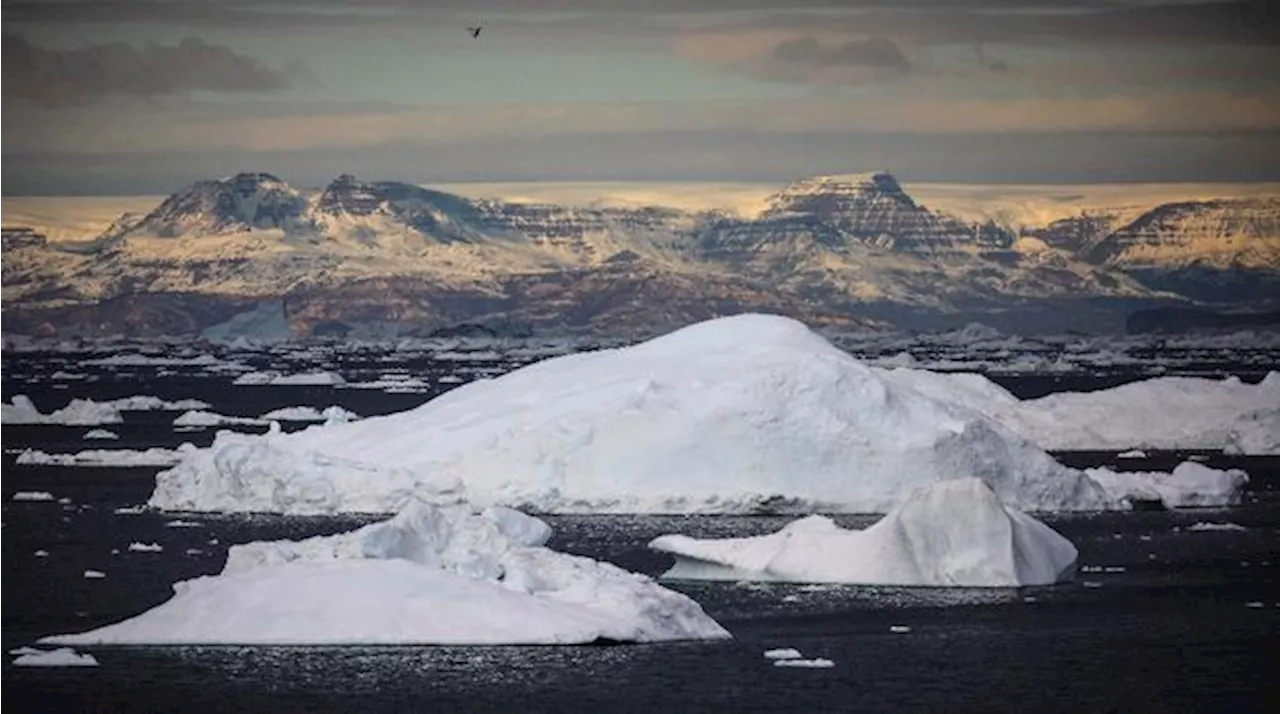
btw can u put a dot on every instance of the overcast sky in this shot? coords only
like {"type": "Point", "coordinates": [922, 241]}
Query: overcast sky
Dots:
{"type": "Point", "coordinates": [143, 96]}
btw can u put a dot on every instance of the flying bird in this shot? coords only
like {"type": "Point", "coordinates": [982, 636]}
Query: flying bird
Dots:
{"type": "Point", "coordinates": [475, 31]}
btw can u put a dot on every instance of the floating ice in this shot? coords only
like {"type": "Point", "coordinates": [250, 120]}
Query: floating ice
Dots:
{"type": "Point", "coordinates": [33, 496]}
{"type": "Point", "coordinates": [783, 653]}
{"type": "Point", "coordinates": [899, 629]}
{"type": "Point", "coordinates": [206, 418]}
{"type": "Point", "coordinates": [1190, 485]}
{"type": "Point", "coordinates": [1132, 454]}
{"type": "Point", "coordinates": [155, 456]}
{"type": "Point", "coordinates": [145, 547]}
{"type": "Point", "coordinates": [332, 415]}
{"type": "Point", "coordinates": [79, 412]}
{"type": "Point", "coordinates": [737, 414]}
{"type": "Point", "coordinates": [1207, 526]}
{"type": "Point", "coordinates": [94, 575]}
{"type": "Point", "coordinates": [952, 533]}
{"type": "Point", "coordinates": [101, 434]}
{"type": "Point", "coordinates": [427, 576]}
{"type": "Point", "coordinates": [285, 380]}
{"type": "Point", "coordinates": [1161, 413]}
{"type": "Point", "coordinates": [817, 663]}
{"type": "Point", "coordinates": [64, 657]}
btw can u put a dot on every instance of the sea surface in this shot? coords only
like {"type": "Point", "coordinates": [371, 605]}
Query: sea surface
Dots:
{"type": "Point", "coordinates": [1163, 618]}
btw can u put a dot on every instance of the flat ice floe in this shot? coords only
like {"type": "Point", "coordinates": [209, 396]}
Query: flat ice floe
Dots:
{"type": "Point", "coordinates": [86, 412]}
{"type": "Point", "coordinates": [276, 379]}
{"type": "Point", "coordinates": [155, 456]}
{"type": "Point", "coordinates": [953, 533]}
{"type": "Point", "coordinates": [427, 576]}
{"type": "Point", "coordinates": [63, 657]}
{"type": "Point", "coordinates": [732, 415]}
{"type": "Point", "coordinates": [1160, 413]}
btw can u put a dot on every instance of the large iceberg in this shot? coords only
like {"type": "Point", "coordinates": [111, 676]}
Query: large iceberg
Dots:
{"type": "Point", "coordinates": [430, 575]}
{"type": "Point", "coordinates": [744, 413]}
{"type": "Point", "coordinates": [953, 533]}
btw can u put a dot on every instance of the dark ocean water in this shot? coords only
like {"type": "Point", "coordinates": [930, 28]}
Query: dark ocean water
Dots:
{"type": "Point", "coordinates": [1182, 621]}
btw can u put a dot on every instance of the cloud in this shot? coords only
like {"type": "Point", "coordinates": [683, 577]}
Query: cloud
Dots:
{"type": "Point", "coordinates": [873, 52]}
{"type": "Point", "coordinates": [211, 127]}
{"type": "Point", "coordinates": [96, 71]}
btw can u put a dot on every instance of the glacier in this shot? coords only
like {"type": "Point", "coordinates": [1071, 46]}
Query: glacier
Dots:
{"type": "Point", "coordinates": [951, 533]}
{"type": "Point", "coordinates": [429, 575]}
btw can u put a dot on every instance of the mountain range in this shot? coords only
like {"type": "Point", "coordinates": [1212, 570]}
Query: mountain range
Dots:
{"type": "Point", "coordinates": [385, 257]}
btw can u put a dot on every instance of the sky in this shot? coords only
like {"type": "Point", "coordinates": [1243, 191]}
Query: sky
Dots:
{"type": "Point", "coordinates": [117, 97]}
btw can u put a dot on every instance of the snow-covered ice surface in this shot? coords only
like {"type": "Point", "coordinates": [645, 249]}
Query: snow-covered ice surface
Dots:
{"type": "Point", "coordinates": [154, 456]}
{"type": "Point", "coordinates": [427, 576]}
{"type": "Point", "coordinates": [736, 414]}
{"type": "Point", "coordinates": [1159, 413]}
{"type": "Point", "coordinates": [952, 533]}
{"type": "Point", "coordinates": [61, 657]}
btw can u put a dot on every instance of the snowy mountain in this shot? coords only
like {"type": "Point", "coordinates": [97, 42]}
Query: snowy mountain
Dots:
{"type": "Point", "coordinates": [243, 202]}
{"type": "Point", "coordinates": [830, 249]}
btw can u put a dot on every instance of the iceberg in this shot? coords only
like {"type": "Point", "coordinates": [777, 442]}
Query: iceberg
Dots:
{"type": "Point", "coordinates": [952, 533]}
{"type": "Point", "coordinates": [86, 412]}
{"type": "Point", "coordinates": [331, 415]}
{"type": "Point", "coordinates": [429, 575]}
{"type": "Point", "coordinates": [1190, 485]}
{"type": "Point", "coordinates": [205, 418]}
{"type": "Point", "coordinates": [740, 414]}
{"type": "Point", "coordinates": [1162, 413]}
{"type": "Point", "coordinates": [101, 434]}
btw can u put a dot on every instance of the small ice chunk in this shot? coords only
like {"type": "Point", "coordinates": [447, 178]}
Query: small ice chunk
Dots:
{"type": "Point", "coordinates": [783, 653]}
{"type": "Point", "coordinates": [816, 663]}
{"type": "Point", "coordinates": [42, 554]}
{"type": "Point", "coordinates": [1091, 584]}
{"type": "Point", "coordinates": [33, 496]}
{"type": "Point", "coordinates": [62, 657]}
{"type": "Point", "coordinates": [183, 524]}
{"type": "Point", "coordinates": [1254, 604]}
{"type": "Point", "coordinates": [1208, 526]}
{"type": "Point", "coordinates": [194, 551]}
{"type": "Point", "coordinates": [130, 510]}
{"type": "Point", "coordinates": [899, 629]}
{"type": "Point", "coordinates": [101, 434]}
{"type": "Point", "coordinates": [1132, 454]}
{"type": "Point", "coordinates": [1113, 569]}
{"type": "Point", "coordinates": [145, 547]}
{"type": "Point", "coordinates": [94, 574]}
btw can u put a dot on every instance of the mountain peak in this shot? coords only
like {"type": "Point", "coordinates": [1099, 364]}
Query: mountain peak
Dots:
{"type": "Point", "coordinates": [243, 202]}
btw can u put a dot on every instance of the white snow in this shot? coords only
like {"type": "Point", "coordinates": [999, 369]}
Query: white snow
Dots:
{"type": "Point", "coordinates": [1190, 485]}
{"type": "Point", "coordinates": [783, 653]}
{"type": "Point", "coordinates": [137, 547]}
{"type": "Point", "coordinates": [428, 576]}
{"type": "Point", "coordinates": [1208, 526]}
{"type": "Point", "coordinates": [206, 418]}
{"type": "Point", "coordinates": [952, 533]}
{"type": "Point", "coordinates": [101, 434]}
{"type": "Point", "coordinates": [154, 456]}
{"type": "Point", "coordinates": [33, 496]}
{"type": "Point", "coordinates": [331, 415]}
{"type": "Point", "coordinates": [63, 657]}
{"type": "Point", "coordinates": [730, 415]}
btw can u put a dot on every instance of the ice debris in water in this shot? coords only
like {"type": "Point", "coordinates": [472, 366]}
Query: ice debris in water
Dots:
{"type": "Point", "coordinates": [816, 663]}
{"type": "Point", "coordinates": [783, 653]}
{"type": "Point", "coordinates": [145, 547]}
{"type": "Point", "coordinates": [33, 496]}
{"type": "Point", "coordinates": [94, 574]}
{"type": "Point", "coordinates": [62, 657]}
